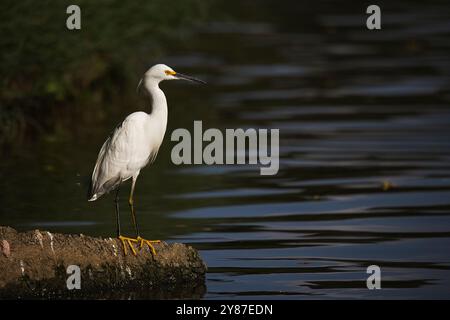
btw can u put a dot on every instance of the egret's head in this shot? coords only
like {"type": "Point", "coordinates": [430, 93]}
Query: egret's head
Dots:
{"type": "Point", "coordinates": [160, 72]}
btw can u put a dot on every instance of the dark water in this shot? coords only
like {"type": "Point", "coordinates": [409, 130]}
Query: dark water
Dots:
{"type": "Point", "coordinates": [364, 174]}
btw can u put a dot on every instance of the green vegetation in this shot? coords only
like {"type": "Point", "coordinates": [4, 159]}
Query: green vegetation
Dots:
{"type": "Point", "coordinates": [46, 68]}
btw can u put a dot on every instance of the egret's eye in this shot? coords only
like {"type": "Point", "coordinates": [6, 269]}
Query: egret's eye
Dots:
{"type": "Point", "coordinates": [170, 73]}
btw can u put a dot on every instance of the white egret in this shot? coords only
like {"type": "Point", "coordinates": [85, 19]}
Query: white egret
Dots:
{"type": "Point", "coordinates": [131, 146]}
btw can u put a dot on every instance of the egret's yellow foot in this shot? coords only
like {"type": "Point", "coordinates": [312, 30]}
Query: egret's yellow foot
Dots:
{"type": "Point", "coordinates": [149, 243]}
{"type": "Point", "coordinates": [128, 242]}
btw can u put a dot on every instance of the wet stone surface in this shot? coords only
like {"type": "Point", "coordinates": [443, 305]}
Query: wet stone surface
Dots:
{"type": "Point", "coordinates": [34, 264]}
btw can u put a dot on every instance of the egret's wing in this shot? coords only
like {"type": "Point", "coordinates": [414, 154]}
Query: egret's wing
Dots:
{"type": "Point", "coordinates": [126, 151]}
{"type": "Point", "coordinates": [113, 156]}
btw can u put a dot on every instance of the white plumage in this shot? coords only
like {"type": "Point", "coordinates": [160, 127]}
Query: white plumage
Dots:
{"type": "Point", "coordinates": [135, 142]}
{"type": "Point", "coordinates": [130, 147]}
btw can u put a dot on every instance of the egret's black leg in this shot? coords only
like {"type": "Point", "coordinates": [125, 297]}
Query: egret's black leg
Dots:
{"type": "Point", "coordinates": [116, 200]}
{"type": "Point", "coordinates": [131, 203]}
{"type": "Point", "coordinates": [143, 241]}
{"type": "Point", "coordinates": [126, 242]}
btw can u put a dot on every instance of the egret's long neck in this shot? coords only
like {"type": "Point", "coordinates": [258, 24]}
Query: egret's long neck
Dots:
{"type": "Point", "coordinates": [159, 103]}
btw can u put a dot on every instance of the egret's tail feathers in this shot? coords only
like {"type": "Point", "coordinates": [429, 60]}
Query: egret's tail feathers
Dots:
{"type": "Point", "coordinates": [96, 191]}
{"type": "Point", "coordinates": [91, 194]}
{"type": "Point", "coordinates": [93, 198]}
